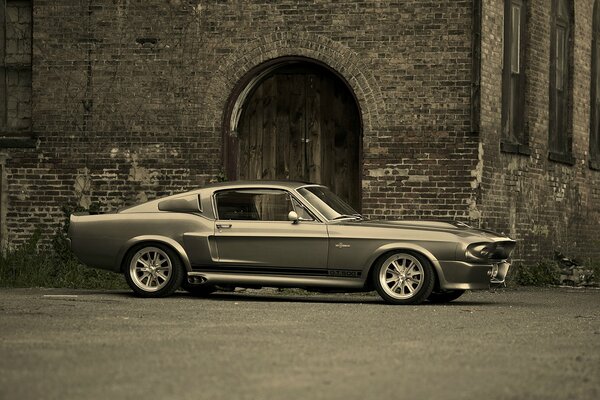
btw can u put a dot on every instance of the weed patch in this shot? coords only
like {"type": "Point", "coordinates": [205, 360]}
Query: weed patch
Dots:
{"type": "Point", "coordinates": [541, 274]}
{"type": "Point", "coordinates": [36, 265]}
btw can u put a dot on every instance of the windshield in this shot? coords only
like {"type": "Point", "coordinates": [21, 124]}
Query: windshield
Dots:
{"type": "Point", "coordinates": [327, 202]}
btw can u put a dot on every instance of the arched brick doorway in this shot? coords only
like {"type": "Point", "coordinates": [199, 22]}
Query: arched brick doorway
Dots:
{"type": "Point", "coordinates": [297, 119]}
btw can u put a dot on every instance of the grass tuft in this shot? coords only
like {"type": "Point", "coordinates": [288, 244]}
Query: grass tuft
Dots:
{"type": "Point", "coordinates": [36, 265]}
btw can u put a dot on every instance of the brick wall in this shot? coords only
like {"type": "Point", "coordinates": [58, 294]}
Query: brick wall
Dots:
{"type": "Point", "coordinates": [130, 99]}
{"type": "Point", "coordinates": [546, 205]}
{"type": "Point", "coordinates": [129, 96]}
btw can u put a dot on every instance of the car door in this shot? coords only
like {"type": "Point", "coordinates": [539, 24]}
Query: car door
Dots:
{"type": "Point", "coordinates": [253, 233]}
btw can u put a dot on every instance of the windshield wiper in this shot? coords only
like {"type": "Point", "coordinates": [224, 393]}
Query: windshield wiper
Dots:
{"type": "Point", "coordinates": [353, 216]}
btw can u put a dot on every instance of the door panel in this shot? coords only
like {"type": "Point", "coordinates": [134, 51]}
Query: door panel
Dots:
{"type": "Point", "coordinates": [272, 244]}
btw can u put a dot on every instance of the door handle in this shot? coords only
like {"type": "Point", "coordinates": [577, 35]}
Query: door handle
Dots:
{"type": "Point", "coordinates": [223, 226]}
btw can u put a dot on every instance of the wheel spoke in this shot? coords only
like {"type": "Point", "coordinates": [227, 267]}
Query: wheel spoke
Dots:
{"type": "Point", "coordinates": [162, 261]}
{"type": "Point", "coordinates": [162, 276]}
{"type": "Point", "coordinates": [414, 270]}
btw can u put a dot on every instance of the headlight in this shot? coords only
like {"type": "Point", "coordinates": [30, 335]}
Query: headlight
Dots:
{"type": "Point", "coordinates": [490, 250]}
{"type": "Point", "coordinates": [480, 250]}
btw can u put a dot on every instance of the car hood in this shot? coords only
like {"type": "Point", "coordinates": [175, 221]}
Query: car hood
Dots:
{"type": "Point", "coordinates": [454, 227]}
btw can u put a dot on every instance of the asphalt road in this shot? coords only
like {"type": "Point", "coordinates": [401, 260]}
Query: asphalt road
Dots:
{"type": "Point", "coordinates": [508, 344]}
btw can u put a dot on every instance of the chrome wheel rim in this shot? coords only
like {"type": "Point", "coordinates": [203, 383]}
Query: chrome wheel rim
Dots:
{"type": "Point", "coordinates": [401, 276]}
{"type": "Point", "coordinates": [150, 269]}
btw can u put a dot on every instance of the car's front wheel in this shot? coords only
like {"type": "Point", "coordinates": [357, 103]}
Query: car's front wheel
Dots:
{"type": "Point", "coordinates": [153, 271]}
{"type": "Point", "coordinates": [403, 278]}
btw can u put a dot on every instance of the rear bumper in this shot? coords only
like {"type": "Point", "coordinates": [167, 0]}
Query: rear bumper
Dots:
{"type": "Point", "coordinates": [464, 275]}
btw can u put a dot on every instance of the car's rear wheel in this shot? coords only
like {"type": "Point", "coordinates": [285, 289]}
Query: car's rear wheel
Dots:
{"type": "Point", "coordinates": [403, 278]}
{"type": "Point", "coordinates": [445, 296]}
{"type": "Point", "coordinates": [153, 271]}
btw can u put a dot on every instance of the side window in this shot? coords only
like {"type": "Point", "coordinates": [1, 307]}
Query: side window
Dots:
{"type": "Point", "coordinates": [302, 212]}
{"type": "Point", "coordinates": [253, 205]}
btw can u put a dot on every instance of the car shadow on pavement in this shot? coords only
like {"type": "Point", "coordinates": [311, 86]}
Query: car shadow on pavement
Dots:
{"type": "Point", "coordinates": [320, 298]}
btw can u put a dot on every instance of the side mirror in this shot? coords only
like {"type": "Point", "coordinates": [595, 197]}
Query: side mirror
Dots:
{"type": "Point", "coordinates": [293, 216]}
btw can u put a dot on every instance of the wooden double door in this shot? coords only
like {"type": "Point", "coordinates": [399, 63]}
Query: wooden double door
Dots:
{"type": "Point", "coordinates": [302, 123]}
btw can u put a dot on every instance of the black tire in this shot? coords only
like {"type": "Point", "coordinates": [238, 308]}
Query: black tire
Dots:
{"type": "Point", "coordinates": [153, 270]}
{"type": "Point", "coordinates": [201, 290]}
{"type": "Point", "coordinates": [403, 278]}
{"type": "Point", "coordinates": [445, 296]}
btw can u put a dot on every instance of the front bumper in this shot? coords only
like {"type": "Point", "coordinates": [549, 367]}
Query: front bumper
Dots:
{"type": "Point", "coordinates": [464, 275]}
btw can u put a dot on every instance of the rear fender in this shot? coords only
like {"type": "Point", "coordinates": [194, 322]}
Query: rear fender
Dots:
{"type": "Point", "coordinates": [176, 246]}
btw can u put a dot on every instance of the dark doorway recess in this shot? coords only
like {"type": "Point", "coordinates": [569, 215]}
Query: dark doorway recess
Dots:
{"type": "Point", "coordinates": [299, 121]}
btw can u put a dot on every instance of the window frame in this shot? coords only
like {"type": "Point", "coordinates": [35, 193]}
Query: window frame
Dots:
{"type": "Point", "coordinates": [515, 137]}
{"type": "Point", "coordinates": [594, 143]}
{"type": "Point", "coordinates": [15, 136]}
{"type": "Point", "coordinates": [560, 138]}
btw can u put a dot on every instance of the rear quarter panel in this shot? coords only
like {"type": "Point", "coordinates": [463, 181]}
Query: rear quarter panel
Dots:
{"type": "Point", "coordinates": [101, 241]}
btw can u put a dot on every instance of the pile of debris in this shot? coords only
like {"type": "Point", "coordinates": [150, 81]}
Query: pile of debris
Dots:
{"type": "Point", "coordinates": [573, 273]}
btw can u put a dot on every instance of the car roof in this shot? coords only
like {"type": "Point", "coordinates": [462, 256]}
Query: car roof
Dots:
{"type": "Point", "coordinates": [280, 184]}
{"type": "Point", "coordinates": [207, 191]}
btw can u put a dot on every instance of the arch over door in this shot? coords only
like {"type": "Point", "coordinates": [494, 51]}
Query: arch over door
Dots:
{"type": "Point", "coordinates": [301, 122]}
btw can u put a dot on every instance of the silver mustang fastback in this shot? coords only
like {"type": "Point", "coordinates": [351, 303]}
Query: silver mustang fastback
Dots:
{"type": "Point", "coordinates": [286, 234]}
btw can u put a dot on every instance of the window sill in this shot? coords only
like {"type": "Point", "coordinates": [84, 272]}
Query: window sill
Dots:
{"type": "Point", "coordinates": [561, 158]}
{"type": "Point", "coordinates": [17, 142]}
{"type": "Point", "coordinates": [514, 148]}
{"type": "Point", "coordinates": [595, 164]}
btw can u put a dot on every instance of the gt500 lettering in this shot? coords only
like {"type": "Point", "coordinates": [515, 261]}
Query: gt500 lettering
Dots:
{"type": "Point", "coordinates": [344, 273]}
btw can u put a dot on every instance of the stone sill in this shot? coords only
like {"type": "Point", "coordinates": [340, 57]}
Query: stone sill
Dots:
{"type": "Point", "coordinates": [515, 148]}
{"type": "Point", "coordinates": [18, 142]}
{"type": "Point", "coordinates": [561, 158]}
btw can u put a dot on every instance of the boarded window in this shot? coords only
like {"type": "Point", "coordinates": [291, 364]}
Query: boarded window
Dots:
{"type": "Point", "coordinates": [514, 137]}
{"type": "Point", "coordinates": [15, 67]}
{"type": "Point", "coordinates": [595, 92]}
{"type": "Point", "coordinates": [560, 141]}
{"type": "Point", "coordinates": [560, 57]}
{"type": "Point", "coordinates": [515, 38]}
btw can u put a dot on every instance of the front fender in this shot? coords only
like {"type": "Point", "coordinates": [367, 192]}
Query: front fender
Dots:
{"type": "Point", "coordinates": [156, 239]}
{"type": "Point", "coordinates": [405, 246]}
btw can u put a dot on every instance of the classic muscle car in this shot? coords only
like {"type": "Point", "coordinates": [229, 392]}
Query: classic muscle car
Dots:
{"type": "Point", "coordinates": [286, 234]}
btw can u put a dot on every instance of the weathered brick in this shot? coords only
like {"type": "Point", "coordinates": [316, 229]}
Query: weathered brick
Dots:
{"type": "Point", "coordinates": [129, 98]}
